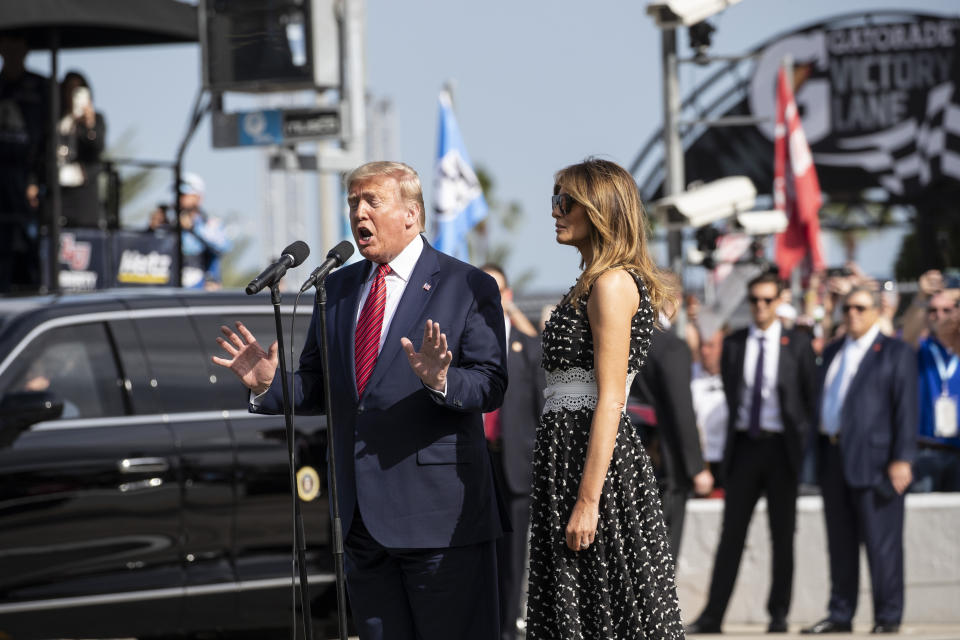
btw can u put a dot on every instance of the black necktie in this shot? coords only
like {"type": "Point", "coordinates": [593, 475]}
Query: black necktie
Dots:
{"type": "Point", "coordinates": [756, 401]}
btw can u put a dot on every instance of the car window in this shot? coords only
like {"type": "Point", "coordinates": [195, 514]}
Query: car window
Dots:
{"type": "Point", "coordinates": [178, 371]}
{"type": "Point", "coordinates": [227, 391]}
{"type": "Point", "coordinates": [76, 364]}
{"type": "Point", "coordinates": [134, 366]}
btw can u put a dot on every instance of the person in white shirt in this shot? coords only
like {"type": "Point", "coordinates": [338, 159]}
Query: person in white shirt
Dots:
{"type": "Point", "coordinates": [710, 403]}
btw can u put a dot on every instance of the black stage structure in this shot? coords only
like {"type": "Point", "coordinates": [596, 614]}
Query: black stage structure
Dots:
{"type": "Point", "coordinates": [879, 95]}
{"type": "Point", "coordinates": [75, 24]}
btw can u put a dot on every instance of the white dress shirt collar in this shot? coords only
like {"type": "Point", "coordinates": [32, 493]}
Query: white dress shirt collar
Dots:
{"type": "Point", "coordinates": [863, 342]}
{"type": "Point", "coordinates": [770, 333]}
{"type": "Point", "coordinates": [405, 261]}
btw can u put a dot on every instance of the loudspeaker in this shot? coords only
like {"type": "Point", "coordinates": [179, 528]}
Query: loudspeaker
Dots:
{"type": "Point", "coordinates": [268, 45]}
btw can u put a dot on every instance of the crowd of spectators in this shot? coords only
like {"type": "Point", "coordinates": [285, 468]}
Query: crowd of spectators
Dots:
{"type": "Point", "coordinates": [926, 320]}
{"type": "Point", "coordinates": [843, 388]}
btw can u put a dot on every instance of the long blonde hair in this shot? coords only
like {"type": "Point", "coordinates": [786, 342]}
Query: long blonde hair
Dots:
{"type": "Point", "coordinates": [618, 227]}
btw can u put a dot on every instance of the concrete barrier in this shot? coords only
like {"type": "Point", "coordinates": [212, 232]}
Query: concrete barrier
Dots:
{"type": "Point", "coordinates": [931, 553]}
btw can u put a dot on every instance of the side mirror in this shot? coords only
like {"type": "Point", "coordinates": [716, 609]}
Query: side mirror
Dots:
{"type": "Point", "coordinates": [20, 409]}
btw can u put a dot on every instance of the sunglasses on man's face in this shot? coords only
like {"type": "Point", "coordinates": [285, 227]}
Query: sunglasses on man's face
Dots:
{"type": "Point", "coordinates": [859, 308]}
{"type": "Point", "coordinates": [755, 300]}
{"type": "Point", "coordinates": [562, 201]}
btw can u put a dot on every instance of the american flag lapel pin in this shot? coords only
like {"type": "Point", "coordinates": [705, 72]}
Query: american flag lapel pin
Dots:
{"type": "Point", "coordinates": [426, 286]}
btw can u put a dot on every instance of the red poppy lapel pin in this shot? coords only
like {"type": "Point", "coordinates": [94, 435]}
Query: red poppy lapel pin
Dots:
{"type": "Point", "coordinates": [785, 340]}
{"type": "Point", "coordinates": [877, 346]}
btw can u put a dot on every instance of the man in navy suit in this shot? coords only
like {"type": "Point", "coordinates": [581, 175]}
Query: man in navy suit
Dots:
{"type": "Point", "coordinates": [664, 384]}
{"type": "Point", "coordinates": [511, 433]}
{"type": "Point", "coordinates": [867, 433]}
{"type": "Point", "coordinates": [414, 480]}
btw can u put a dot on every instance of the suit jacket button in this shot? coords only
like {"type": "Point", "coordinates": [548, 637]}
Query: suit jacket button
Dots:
{"type": "Point", "coordinates": [360, 409]}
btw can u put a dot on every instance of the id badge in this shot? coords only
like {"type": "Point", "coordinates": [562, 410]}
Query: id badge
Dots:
{"type": "Point", "coordinates": [945, 417]}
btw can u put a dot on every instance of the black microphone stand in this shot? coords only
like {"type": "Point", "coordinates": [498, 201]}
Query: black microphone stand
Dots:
{"type": "Point", "coordinates": [321, 301]}
{"type": "Point", "coordinates": [298, 531]}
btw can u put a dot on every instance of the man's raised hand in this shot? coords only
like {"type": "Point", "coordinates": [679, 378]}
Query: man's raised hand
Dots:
{"type": "Point", "coordinates": [254, 366]}
{"type": "Point", "coordinates": [432, 361]}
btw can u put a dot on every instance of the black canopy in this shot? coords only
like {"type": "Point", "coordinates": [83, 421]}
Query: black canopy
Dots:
{"type": "Point", "coordinates": [99, 23]}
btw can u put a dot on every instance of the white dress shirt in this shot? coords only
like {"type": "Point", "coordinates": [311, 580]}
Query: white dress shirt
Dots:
{"type": "Point", "coordinates": [770, 419]}
{"type": "Point", "coordinates": [854, 350]}
{"type": "Point", "coordinates": [710, 407]}
{"type": "Point", "coordinates": [396, 281]}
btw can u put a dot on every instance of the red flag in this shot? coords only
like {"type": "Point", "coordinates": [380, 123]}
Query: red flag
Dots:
{"type": "Point", "coordinates": [796, 190]}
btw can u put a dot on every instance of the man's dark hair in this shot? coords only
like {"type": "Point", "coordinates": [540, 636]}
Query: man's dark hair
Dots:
{"type": "Point", "coordinates": [873, 293]}
{"type": "Point", "coordinates": [493, 266]}
{"type": "Point", "coordinates": [765, 278]}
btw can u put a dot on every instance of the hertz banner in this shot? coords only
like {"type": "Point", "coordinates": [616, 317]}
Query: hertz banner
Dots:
{"type": "Point", "coordinates": [144, 258]}
{"type": "Point", "coordinates": [879, 100]}
{"type": "Point", "coordinates": [94, 259]}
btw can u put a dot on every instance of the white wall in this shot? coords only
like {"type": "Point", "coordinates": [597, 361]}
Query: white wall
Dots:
{"type": "Point", "coordinates": [931, 553]}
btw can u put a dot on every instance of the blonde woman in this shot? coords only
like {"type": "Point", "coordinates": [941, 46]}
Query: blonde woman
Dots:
{"type": "Point", "coordinates": [600, 563]}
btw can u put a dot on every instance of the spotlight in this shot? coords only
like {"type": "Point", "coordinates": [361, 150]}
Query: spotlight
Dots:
{"type": "Point", "coordinates": [701, 37]}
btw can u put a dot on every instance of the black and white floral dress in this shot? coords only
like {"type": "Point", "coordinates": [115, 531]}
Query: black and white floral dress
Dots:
{"type": "Point", "coordinates": [621, 587]}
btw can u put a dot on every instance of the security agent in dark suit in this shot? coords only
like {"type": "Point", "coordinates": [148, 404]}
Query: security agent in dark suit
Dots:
{"type": "Point", "coordinates": [769, 378]}
{"type": "Point", "coordinates": [664, 384]}
{"type": "Point", "coordinates": [511, 433]}
{"type": "Point", "coordinates": [867, 441]}
{"type": "Point", "coordinates": [414, 480]}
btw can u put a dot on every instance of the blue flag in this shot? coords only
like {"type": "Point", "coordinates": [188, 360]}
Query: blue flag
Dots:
{"type": "Point", "coordinates": [458, 201]}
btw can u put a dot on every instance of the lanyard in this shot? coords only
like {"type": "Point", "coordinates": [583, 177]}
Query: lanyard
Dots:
{"type": "Point", "coordinates": [943, 370]}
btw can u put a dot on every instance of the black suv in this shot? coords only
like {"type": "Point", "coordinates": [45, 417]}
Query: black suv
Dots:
{"type": "Point", "coordinates": [138, 497]}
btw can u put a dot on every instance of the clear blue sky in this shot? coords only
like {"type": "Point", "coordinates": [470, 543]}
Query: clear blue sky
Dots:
{"type": "Point", "coordinates": [538, 85]}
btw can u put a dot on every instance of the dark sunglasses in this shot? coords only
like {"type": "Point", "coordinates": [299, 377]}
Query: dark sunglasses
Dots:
{"type": "Point", "coordinates": [562, 201]}
{"type": "Point", "coordinates": [859, 308]}
{"type": "Point", "coordinates": [758, 300]}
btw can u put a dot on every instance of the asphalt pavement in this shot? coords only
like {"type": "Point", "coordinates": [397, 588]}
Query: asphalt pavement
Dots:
{"type": "Point", "coordinates": [752, 632]}
{"type": "Point", "coordinates": [911, 631]}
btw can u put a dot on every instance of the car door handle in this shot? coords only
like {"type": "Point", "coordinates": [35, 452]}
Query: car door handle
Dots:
{"type": "Point", "coordinates": [143, 465]}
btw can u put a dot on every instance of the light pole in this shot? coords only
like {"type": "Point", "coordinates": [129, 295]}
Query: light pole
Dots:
{"type": "Point", "coordinates": [674, 177]}
{"type": "Point", "coordinates": [668, 15]}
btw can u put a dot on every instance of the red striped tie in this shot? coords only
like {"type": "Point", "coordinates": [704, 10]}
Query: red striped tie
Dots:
{"type": "Point", "coordinates": [369, 325]}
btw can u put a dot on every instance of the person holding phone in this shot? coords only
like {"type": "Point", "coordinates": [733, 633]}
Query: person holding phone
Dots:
{"type": "Point", "coordinates": [866, 444]}
{"type": "Point", "coordinates": [918, 321]}
{"type": "Point", "coordinates": [937, 466]}
{"type": "Point", "coordinates": [82, 134]}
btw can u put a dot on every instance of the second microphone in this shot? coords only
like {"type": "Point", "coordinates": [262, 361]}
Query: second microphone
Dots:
{"type": "Point", "coordinates": [335, 257]}
{"type": "Point", "coordinates": [292, 256]}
